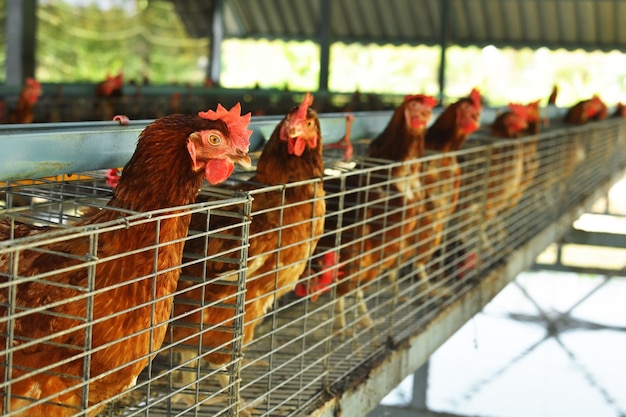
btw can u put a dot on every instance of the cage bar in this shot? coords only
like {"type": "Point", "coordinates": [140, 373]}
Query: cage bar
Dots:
{"type": "Point", "coordinates": [487, 210]}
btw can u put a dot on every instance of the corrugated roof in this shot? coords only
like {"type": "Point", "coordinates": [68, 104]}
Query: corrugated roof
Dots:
{"type": "Point", "coordinates": [569, 24]}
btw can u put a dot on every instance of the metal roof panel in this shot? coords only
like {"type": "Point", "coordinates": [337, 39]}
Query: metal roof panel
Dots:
{"type": "Point", "coordinates": [570, 24]}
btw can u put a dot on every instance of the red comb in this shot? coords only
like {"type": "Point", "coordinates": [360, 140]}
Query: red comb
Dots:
{"type": "Point", "coordinates": [519, 109]}
{"type": "Point", "coordinates": [476, 98]}
{"type": "Point", "coordinates": [237, 124]}
{"type": "Point", "coordinates": [429, 101]}
{"type": "Point", "coordinates": [304, 106]}
{"type": "Point", "coordinates": [32, 83]}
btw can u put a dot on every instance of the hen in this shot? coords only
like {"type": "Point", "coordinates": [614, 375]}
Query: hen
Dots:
{"type": "Point", "coordinates": [108, 92]}
{"type": "Point", "coordinates": [512, 123]}
{"type": "Point", "coordinates": [441, 179]}
{"type": "Point", "coordinates": [507, 160]}
{"type": "Point", "coordinates": [460, 119]}
{"type": "Point", "coordinates": [378, 211]}
{"type": "Point", "coordinates": [111, 86]}
{"type": "Point", "coordinates": [287, 221]}
{"type": "Point", "coordinates": [24, 113]}
{"type": "Point", "coordinates": [505, 172]}
{"type": "Point", "coordinates": [530, 154]}
{"type": "Point", "coordinates": [586, 110]}
{"type": "Point", "coordinates": [122, 291]}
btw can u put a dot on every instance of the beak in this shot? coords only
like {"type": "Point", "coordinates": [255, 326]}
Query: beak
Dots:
{"type": "Point", "coordinates": [242, 158]}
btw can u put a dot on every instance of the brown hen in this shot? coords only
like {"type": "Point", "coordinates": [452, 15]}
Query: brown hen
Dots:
{"type": "Point", "coordinates": [287, 222]}
{"type": "Point", "coordinates": [587, 110]}
{"type": "Point", "coordinates": [442, 173]}
{"type": "Point", "coordinates": [24, 112]}
{"type": "Point", "coordinates": [124, 292]}
{"type": "Point", "coordinates": [379, 210]}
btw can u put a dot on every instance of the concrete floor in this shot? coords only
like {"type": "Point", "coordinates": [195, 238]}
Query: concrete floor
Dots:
{"type": "Point", "coordinates": [550, 344]}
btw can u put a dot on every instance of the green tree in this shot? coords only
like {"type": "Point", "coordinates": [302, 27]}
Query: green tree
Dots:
{"type": "Point", "coordinates": [142, 39]}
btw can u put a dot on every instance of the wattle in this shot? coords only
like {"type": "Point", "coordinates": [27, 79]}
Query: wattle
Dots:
{"type": "Point", "coordinates": [218, 170]}
{"type": "Point", "coordinates": [296, 146]}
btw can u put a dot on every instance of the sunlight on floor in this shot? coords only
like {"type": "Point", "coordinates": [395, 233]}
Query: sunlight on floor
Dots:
{"type": "Point", "coordinates": [550, 344]}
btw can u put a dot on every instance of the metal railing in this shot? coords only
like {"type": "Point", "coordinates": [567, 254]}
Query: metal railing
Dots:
{"type": "Point", "coordinates": [408, 266]}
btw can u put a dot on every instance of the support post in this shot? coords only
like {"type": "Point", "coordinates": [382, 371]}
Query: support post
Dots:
{"type": "Point", "coordinates": [21, 20]}
{"type": "Point", "coordinates": [324, 42]}
{"type": "Point", "coordinates": [443, 42]}
{"type": "Point", "coordinates": [216, 36]}
{"type": "Point", "coordinates": [420, 388]}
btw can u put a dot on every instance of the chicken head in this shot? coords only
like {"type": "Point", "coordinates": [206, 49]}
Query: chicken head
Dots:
{"type": "Point", "coordinates": [111, 85]}
{"type": "Point", "coordinates": [418, 111]}
{"type": "Point", "coordinates": [468, 113]}
{"type": "Point", "coordinates": [595, 108]}
{"type": "Point", "coordinates": [209, 149]}
{"type": "Point", "coordinates": [516, 120]}
{"type": "Point", "coordinates": [299, 130]}
{"type": "Point", "coordinates": [532, 112]}
{"type": "Point", "coordinates": [32, 91]}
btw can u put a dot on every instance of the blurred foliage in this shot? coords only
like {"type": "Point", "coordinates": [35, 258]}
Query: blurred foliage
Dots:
{"type": "Point", "coordinates": [145, 40]}
{"type": "Point", "coordinates": [84, 40]}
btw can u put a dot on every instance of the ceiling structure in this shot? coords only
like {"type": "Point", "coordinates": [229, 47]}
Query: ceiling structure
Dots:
{"type": "Point", "coordinates": [569, 24]}
{"type": "Point", "coordinates": [554, 24]}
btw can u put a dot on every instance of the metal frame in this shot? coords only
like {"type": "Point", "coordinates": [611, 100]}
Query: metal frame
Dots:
{"type": "Point", "coordinates": [299, 362]}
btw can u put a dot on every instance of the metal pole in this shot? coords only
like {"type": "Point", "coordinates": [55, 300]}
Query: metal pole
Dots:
{"type": "Point", "coordinates": [324, 42]}
{"type": "Point", "coordinates": [21, 18]}
{"type": "Point", "coordinates": [443, 44]}
{"type": "Point", "coordinates": [420, 388]}
{"type": "Point", "coordinates": [217, 36]}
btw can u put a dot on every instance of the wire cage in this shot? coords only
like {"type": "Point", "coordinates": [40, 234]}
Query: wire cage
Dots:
{"type": "Point", "coordinates": [71, 335]}
{"type": "Point", "coordinates": [402, 244]}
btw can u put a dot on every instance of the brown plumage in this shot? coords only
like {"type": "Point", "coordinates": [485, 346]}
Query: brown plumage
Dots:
{"type": "Point", "coordinates": [172, 157]}
{"type": "Point", "coordinates": [442, 173]}
{"type": "Point", "coordinates": [449, 131]}
{"type": "Point", "coordinates": [24, 111]}
{"type": "Point", "coordinates": [530, 153]}
{"type": "Point", "coordinates": [584, 111]}
{"type": "Point", "coordinates": [374, 236]}
{"type": "Point", "coordinates": [286, 224]}
{"type": "Point", "coordinates": [513, 162]}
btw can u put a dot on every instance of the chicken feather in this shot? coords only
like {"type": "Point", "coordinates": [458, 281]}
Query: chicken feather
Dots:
{"type": "Point", "coordinates": [100, 316]}
{"type": "Point", "coordinates": [287, 221]}
{"type": "Point", "coordinates": [443, 174]}
{"type": "Point", "coordinates": [379, 214]}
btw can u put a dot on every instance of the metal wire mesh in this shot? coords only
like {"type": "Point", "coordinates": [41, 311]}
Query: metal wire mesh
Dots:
{"type": "Point", "coordinates": [84, 301]}
{"type": "Point", "coordinates": [407, 240]}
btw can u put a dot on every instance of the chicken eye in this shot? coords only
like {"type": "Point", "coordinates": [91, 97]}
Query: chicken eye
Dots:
{"type": "Point", "coordinates": [309, 123]}
{"type": "Point", "coordinates": [214, 139]}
